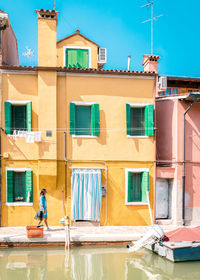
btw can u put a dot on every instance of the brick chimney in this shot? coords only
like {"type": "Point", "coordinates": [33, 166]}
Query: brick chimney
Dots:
{"type": "Point", "coordinates": [150, 63]}
{"type": "Point", "coordinates": [47, 36]}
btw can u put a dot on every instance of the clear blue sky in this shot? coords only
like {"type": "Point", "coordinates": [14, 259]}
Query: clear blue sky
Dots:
{"type": "Point", "coordinates": [117, 26]}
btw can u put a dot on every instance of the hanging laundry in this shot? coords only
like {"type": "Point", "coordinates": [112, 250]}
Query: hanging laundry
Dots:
{"type": "Point", "coordinates": [38, 135]}
{"type": "Point", "coordinates": [30, 137]}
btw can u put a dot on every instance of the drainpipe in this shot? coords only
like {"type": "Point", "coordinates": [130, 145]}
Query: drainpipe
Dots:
{"type": "Point", "coordinates": [65, 159]}
{"type": "Point", "coordinates": [183, 192]}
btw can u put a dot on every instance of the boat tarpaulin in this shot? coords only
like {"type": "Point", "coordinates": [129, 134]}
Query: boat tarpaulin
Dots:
{"type": "Point", "coordinates": [183, 234]}
{"type": "Point", "coordinates": [86, 194]}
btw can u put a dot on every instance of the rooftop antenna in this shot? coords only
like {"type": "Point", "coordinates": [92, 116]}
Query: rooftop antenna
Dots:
{"type": "Point", "coordinates": [150, 4]}
{"type": "Point", "coordinates": [54, 5]}
{"type": "Point", "coordinates": [29, 53]}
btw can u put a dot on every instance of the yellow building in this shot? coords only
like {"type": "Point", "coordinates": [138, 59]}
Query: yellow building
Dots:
{"type": "Point", "coordinates": [83, 133]}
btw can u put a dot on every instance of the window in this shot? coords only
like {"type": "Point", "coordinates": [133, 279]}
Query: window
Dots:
{"type": "Point", "coordinates": [18, 116]}
{"type": "Point", "coordinates": [168, 91]}
{"type": "Point", "coordinates": [84, 119]}
{"type": "Point", "coordinates": [174, 91]}
{"type": "Point", "coordinates": [78, 58]}
{"type": "Point", "coordinates": [137, 185]}
{"type": "Point", "coordinates": [140, 119]}
{"type": "Point", "coordinates": [19, 185]}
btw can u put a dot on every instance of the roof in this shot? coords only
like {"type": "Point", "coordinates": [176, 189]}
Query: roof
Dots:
{"type": "Point", "coordinates": [79, 70]}
{"type": "Point", "coordinates": [78, 33]}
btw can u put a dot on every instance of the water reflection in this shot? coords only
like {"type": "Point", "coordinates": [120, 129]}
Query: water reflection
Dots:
{"type": "Point", "coordinates": [90, 264]}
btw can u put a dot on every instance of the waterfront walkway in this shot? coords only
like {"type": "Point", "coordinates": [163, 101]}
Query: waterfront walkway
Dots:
{"type": "Point", "coordinates": [16, 236]}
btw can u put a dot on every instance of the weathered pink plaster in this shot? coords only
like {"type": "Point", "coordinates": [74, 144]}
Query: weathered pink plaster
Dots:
{"type": "Point", "coordinates": [165, 172]}
{"type": "Point", "coordinates": [9, 47]}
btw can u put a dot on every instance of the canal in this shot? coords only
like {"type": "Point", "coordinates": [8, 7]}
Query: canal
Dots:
{"type": "Point", "coordinates": [86, 263]}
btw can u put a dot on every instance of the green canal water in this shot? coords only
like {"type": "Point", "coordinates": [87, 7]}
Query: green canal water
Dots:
{"type": "Point", "coordinates": [91, 263]}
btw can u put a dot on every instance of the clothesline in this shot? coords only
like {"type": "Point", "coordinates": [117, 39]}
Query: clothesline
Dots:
{"type": "Point", "coordinates": [30, 136]}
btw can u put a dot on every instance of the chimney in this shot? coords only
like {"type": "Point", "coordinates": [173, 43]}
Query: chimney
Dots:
{"type": "Point", "coordinates": [47, 24]}
{"type": "Point", "coordinates": [150, 63]}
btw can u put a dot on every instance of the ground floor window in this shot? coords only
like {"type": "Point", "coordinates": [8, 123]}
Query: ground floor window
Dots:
{"type": "Point", "coordinates": [19, 185]}
{"type": "Point", "coordinates": [86, 194]}
{"type": "Point", "coordinates": [137, 185]}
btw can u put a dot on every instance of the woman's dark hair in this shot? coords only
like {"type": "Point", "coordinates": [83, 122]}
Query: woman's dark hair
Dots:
{"type": "Point", "coordinates": [43, 191]}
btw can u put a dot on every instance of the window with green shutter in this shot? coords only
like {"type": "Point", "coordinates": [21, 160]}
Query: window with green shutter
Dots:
{"type": "Point", "coordinates": [138, 185]}
{"type": "Point", "coordinates": [19, 186]}
{"type": "Point", "coordinates": [78, 58]}
{"type": "Point", "coordinates": [140, 120]}
{"type": "Point", "coordinates": [84, 120]}
{"type": "Point", "coordinates": [17, 117]}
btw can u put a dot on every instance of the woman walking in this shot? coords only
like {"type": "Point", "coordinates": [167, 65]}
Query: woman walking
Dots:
{"type": "Point", "coordinates": [43, 208]}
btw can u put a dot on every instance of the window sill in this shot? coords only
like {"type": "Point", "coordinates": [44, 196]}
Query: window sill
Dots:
{"type": "Point", "coordinates": [19, 203]}
{"type": "Point", "coordinates": [136, 203]}
{"type": "Point", "coordinates": [134, 136]}
{"type": "Point", "coordinates": [84, 136]}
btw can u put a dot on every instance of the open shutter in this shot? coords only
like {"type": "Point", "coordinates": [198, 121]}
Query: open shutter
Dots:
{"type": "Point", "coordinates": [29, 186]}
{"type": "Point", "coordinates": [9, 186]}
{"type": "Point", "coordinates": [129, 187]}
{"type": "Point", "coordinates": [29, 116]}
{"type": "Point", "coordinates": [72, 118]}
{"type": "Point", "coordinates": [145, 185]}
{"type": "Point", "coordinates": [128, 119]}
{"type": "Point", "coordinates": [95, 119]}
{"type": "Point", "coordinates": [8, 117]}
{"type": "Point", "coordinates": [149, 120]}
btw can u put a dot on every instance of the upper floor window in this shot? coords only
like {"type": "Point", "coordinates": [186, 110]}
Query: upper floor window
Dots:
{"type": "Point", "coordinates": [78, 58]}
{"type": "Point", "coordinates": [18, 116]}
{"type": "Point", "coordinates": [84, 118]}
{"type": "Point", "coordinates": [140, 119]}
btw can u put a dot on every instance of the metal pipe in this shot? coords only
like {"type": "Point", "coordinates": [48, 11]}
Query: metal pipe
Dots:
{"type": "Point", "coordinates": [65, 159]}
{"type": "Point", "coordinates": [183, 191]}
{"type": "Point", "coordinates": [129, 62]}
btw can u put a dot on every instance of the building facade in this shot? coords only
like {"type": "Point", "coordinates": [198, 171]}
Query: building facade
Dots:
{"type": "Point", "coordinates": [178, 165]}
{"type": "Point", "coordinates": [83, 133]}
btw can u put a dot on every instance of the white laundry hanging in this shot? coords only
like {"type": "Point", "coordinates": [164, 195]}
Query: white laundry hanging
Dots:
{"type": "Point", "coordinates": [38, 136]}
{"type": "Point", "coordinates": [30, 137]}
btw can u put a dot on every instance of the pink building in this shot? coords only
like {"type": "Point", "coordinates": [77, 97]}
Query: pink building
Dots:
{"type": "Point", "coordinates": [178, 202]}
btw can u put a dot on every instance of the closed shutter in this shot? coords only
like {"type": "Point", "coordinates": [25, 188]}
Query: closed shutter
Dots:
{"type": "Point", "coordinates": [149, 120]}
{"type": "Point", "coordinates": [71, 58]}
{"type": "Point", "coordinates": [128, 119]}
{"type": "Point", "coordinates": [145, 185]}
{"type": "Point", "coordinates": [82, 59]}
{"type": "Point", "coordinates": [8, 117]}
{"type": "Point", "coordinates": [137, 187]}
{"type": "Point", "coordinates": [130, 187]}
{"type": "Point", "coordinates": [72, 119]}
{"type": "Point", "coordinates": [77, 58]}
{"type": "Point", "coordinates": [29, 186]}
{"type": "Point", "coordinates": [9, 186]}
{"type": "Point", "coordinates": [29, 116]}
{"type": "Point", "coordinates": [95, 119]}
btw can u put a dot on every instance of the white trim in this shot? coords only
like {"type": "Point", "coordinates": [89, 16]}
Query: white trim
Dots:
{"type": "Point", "coordinates": [107, 75]}
{"type": "Point", "coordinates": [19, 203]}
{"type": "Point", "coordinates": [142, 136]}
{"type": "Point", "coordinates": [87, 167]}
{"type": "Point", "coordinates": [79, 48]}
{"type": "Point", "coordinates": [83, 103]}
{"type": "Point", "coordinates": [138, 105]}
{"type": "Point", "coordinates": [133, 170]}
{"type": "Point", "coordinates": [19, 72]}
{"type": "Point", "coordinates": [84, 136]}
{"type": "Point", "coordinates": [17, 169]}
{"type": "Point", "coordinates": [18, 102]}
{"type": "Point", "coordinates": [161, 98]}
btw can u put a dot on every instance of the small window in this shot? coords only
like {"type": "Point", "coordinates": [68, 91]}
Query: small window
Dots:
{"type": "Point", "coordinates": [162, 93]}
{"type": "Point", "coordinates": [78, 58]}
{"type": "Point", "coordinates": [17, 117]}
{"type": "Point", "coordinates": [174, 91]}
{"type": "Point", "coordinates": [84, 119]}
{"type": "Point", "coordinates": [168, 91]}
{"type": "Point", "coordinates": [140, 120]}
{"type": "Point", "coordinates": [137, 186]}
{"type": "Point", "coordinates": [19, 186]}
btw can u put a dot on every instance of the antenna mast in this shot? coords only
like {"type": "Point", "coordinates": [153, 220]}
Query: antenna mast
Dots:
{"type": "Point", "coordinates": [150, 4]}
{"type": "Point", "coordinates": [54, 5]}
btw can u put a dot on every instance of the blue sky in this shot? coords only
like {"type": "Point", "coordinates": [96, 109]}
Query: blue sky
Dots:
{"type": "Point", "coordinates": [117, 26]}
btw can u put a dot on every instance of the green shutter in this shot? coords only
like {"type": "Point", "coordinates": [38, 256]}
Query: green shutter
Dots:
{"type": "Point", "coordinates": [71, 57]}
{"type": "Point", "coordinates": [9, 186]}
{"type": "Point", "coordinates": [137, 187]}
{"type": "Point", "coordinates": [8, 117]}
{"type": "Point", "coordinates": [72, 118]}
{"type": "Point", "coordinates": [130, 187]}
{"type": "Point", "coordinates": [29, 186]}
{"type": "Point", "coordinates": [95, 119]}
{"type": "Point", "coordinates": [145, 185]}
{"type": "Point", "coordinates": [82, 59]}
{"type": "Point", "coordinates": [128, 119]}
{"type": "Point", "coordinates": [29, 116]}
{"type": "Point", "coordinates": [77, 58]}
{"type": "Point", "coordinates": [149, 120]}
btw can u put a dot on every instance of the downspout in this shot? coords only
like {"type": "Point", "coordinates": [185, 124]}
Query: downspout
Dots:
{"type": "Point", "coordinates": [183, 192]}
{"type": "Point", "coordinates": [65, 188]}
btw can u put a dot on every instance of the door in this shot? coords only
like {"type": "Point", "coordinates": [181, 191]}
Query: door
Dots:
{"type": "Point", "coordinates": [162, 199]}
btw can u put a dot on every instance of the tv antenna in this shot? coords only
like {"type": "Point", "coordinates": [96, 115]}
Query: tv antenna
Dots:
{"type": "Point", "coordinates": [29, 53]}
{"type": "Point", "coordinates": [150, 4]}
{"type": "Point", "coordinates": [54, 5]}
